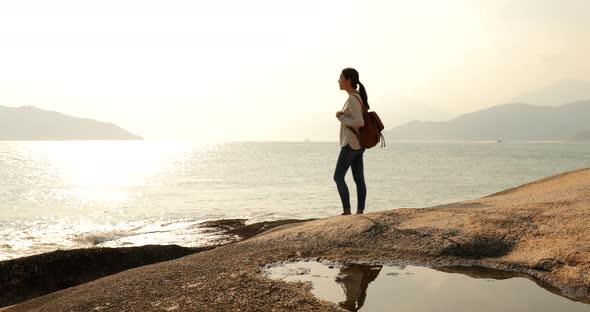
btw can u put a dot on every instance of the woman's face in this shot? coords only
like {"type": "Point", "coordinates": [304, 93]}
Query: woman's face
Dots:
{"type": "Point", "coordinates": [343, 82]}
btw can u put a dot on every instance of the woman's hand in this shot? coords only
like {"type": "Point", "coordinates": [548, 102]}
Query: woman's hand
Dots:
{"type": "Point", "coordinates": [338, 114]}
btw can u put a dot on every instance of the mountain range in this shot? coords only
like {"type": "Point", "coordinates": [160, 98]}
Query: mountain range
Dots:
{"type": "Point", "coordinates": [29, 123]}
{"type": "Point", "coordinates": [556, 94]}
{"type": "Point", "coordinates": [508, 122]}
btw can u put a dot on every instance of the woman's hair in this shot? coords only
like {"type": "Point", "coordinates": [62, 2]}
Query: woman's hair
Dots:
{"type": "Point", "coordinates": [353, 75]}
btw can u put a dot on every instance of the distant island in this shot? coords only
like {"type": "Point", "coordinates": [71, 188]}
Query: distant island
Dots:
{"type": "Point", "coordinates": [508, 122]}
{"type": "Point", "coordinates": [29, 123]}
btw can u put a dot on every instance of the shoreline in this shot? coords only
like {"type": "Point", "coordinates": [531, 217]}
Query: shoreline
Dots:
{"type": "Point", "coordinates": [539, 229]}
{"type": "Point", "coordinates": [28, 277]}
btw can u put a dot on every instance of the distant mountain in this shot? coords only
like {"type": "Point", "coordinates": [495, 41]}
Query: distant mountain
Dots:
{"type": "Point", "coordinates": [30, 123]}
{"type": "Point", "coordinates": [563, 91]}
{"type": "Point", "coordinates": [393, 109]}
{"type": "Point", "coordinates": [512, 122]}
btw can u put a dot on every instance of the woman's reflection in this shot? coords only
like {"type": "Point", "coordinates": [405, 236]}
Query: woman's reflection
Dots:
{"type": "Point", "coordinates": [354, 279]}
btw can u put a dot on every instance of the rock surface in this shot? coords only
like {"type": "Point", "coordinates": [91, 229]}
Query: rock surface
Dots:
{"type": "Point", "coordinates": [540, 229]}
{"type": "Point", "coordinates": [29, 277]}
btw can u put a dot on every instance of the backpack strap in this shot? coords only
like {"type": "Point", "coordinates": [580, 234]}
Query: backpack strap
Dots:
{"type": "Point", "coordinates": [362, 108]}
{"type": "Point", "coordinates": [353, 131]}
{"type": "Point", "coordinates": [359, 99]}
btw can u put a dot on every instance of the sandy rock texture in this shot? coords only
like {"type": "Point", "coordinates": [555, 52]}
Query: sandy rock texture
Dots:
{"type": "Point", "coordinates": [29, 277]}
{"type": "Point", "coordinates": [540, 229]}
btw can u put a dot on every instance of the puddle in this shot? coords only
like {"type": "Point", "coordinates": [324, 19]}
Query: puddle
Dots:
{"type": "Point", "coordinates": [356, 287]}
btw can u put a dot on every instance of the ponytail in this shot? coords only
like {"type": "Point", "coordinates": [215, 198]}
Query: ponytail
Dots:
{"type": "Point", "coordinates": [363, 94]}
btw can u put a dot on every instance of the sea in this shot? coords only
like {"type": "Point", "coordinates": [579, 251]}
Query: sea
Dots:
{"type": "Point", "coordinates": [76, 194]}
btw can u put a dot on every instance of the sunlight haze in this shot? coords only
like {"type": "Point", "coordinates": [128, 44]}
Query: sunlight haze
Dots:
{"type": "Point", "coordinates": [264, 70]}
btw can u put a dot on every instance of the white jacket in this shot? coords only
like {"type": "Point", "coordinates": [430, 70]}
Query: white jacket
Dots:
{"type": "Point", "coordinates": [352, 117]}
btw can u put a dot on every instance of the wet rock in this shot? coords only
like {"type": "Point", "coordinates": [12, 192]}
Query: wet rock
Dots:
{"type": "Point", "coordinates": [548, 264]}
{"type": "Point", "coordinates": [236, 229]}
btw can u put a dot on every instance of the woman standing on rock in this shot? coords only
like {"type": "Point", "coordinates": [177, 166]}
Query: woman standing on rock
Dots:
{"type": "Point", "coordinates": [351, 153]}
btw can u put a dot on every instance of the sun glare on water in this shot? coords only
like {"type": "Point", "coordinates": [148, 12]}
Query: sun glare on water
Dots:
{"type": "Point", "coordinates": [102, 171]}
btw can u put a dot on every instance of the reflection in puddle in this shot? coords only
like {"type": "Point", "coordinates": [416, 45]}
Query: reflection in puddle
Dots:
{"type": "Point", "coordinates": [355, 287]}
{"type": "Point", "coordinates": [355, 279]}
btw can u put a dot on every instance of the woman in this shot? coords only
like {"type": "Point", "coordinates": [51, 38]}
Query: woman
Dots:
{"type": "Point", "coordinates": [351, 153]}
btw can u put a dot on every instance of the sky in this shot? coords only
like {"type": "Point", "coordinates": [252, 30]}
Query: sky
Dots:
{"type": "Point", "coordinates": [255, 70]}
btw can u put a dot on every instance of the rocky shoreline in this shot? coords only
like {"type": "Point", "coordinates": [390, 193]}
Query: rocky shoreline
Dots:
{"type": "Point", "coordinates": [30, 277]}
{"type": "Point", "coordinates": [25, 278]}
{"type": "Point", "coordinates": [539, 229]}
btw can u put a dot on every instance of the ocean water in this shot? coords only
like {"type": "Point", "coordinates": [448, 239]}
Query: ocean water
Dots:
{"type": "Point", "coordinates": [62, 195]}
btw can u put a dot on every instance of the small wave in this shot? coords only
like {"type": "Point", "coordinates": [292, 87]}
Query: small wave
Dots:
{"type": "Point", "coordinates": [40, 236]}
{"type": "Point", "coordinates": [95, 239]}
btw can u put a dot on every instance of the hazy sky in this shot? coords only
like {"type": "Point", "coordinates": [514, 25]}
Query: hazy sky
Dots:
{"type": "Point", "coordinates": [252, 70]}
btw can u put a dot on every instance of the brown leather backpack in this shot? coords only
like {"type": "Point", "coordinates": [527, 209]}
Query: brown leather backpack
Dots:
{"type": "Point", "coordinates": [370, 133]}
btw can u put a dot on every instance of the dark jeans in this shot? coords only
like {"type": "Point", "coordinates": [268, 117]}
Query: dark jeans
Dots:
{"type": "Point", "coordinates": [351, 158]}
